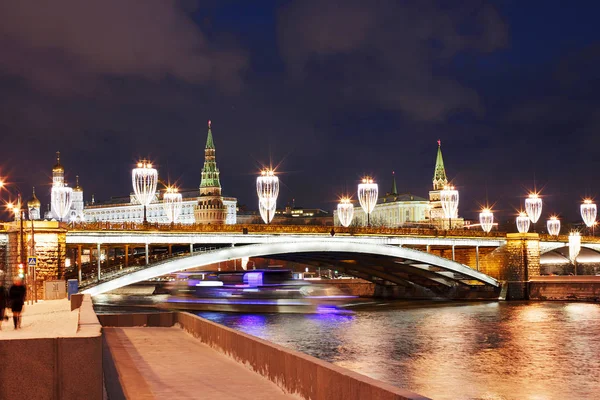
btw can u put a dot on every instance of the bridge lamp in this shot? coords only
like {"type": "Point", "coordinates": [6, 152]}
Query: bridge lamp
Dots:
{"type": "Point", "coordinates": [533, 207]}
{"type": "Point", "coordinates": [61, 201]}
{"type": "Point", "coordinates": [144, 179]}
{"type": "Point", "coordinates": [267, 189]}
{"type": "Point", "coordinates": [553, 225]}
{"type": "Point", "coordinates": [523, 222]}
{"type": "Point", "coordinates": [574, 248]}
{"type": "Point", "coordinates": [588, 213]}
{"type": "Point", "coordinates": [172, 200]}
{"type": "Point", "coordinates": [449, 200]}
{"type": "Point", "coordinates": [368, 193]}
{"type": "Point", "coordinates": [345, 211]}
{"type": "Point", "coordinates": [486, 220]}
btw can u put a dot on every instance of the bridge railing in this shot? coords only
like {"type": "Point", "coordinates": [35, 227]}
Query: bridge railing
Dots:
{"type": "Point", "coordinates": [278, 229]}
{"type": "Point", "coordinates": [115, 271]}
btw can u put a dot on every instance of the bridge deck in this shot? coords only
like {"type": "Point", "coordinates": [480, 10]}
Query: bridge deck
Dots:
{"type": "Point", "coordinates": [162, 363]}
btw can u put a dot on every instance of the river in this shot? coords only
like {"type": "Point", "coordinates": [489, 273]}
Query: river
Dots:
{"type": "Point", "coordinates": [491, 351]}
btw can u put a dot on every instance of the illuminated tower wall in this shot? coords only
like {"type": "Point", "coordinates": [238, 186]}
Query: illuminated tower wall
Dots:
{"type": "Point", "coordinates": [210, 208]}
{"type": "Point", "coordinates": [76, 213]}
{"type": "Point", "coordinates": [58, 180]}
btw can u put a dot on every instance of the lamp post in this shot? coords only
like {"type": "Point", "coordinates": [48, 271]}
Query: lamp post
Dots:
{"type": "Point", "coordinates": [345, 211]}
{"type": "Point", "coordinates": [533, 207]}
{"type": "Point", "coordinates": [449, 200]}
{"type": "Point", "coordinates": [553, 225]}
{"type": "Point", "coordinates": [144, 179]}
{"type": "Point", "coordinates": [486, 220]}
{"type": "Point", "coordinates": [61, 201]}
{"type": "Point", "coordinates": [574, 248]}
{"type": "Point", "coordinates": [588, 214]}
{"type": "Point", "coordinates": [267, 189]}
{"type": "Point", "coordinates": [522, 222]}
{"type": "Point", "coordinates": [172, 201]}
{"type": "Point", "coordinates": [368, 193]}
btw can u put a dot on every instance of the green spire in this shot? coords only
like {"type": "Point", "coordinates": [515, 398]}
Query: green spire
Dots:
{"type": "Point", "coordinates": [394, 188]}
{"type": "Point", "coordinates": [439, 176]}
{"type": "Point", "coordinates": [210, 172]}
{"type": "Point", "coordinates": [209, 139]}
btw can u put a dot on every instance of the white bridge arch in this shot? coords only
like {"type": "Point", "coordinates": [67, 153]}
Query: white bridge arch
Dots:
{"type": "Point", "coordinates": [436, 268]}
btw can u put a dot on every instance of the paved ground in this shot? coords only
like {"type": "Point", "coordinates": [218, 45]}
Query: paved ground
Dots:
{"type": "Point", "coordinates": [168, 363]}
{"type": "Point", "coordinates": [44, 319]}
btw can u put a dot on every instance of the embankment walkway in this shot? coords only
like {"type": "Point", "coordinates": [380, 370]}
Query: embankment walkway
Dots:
{"type": "Point", "coordinates": [162, 363]}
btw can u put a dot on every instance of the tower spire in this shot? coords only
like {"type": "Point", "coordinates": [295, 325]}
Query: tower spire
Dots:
{"type": "Point", "coordinates": [439, 175]}
{"type": "Point", "coordinates": [210, 172]}
{"type": "Point", "coordinates": [394, 187]}
{"type": "Point", "coordinates": [209, 139]}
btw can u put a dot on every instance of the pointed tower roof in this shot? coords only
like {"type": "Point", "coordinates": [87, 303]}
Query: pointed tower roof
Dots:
{"type": "Point", "coordinates": [33, 201]}
{"type": "Point", "coordinates": [209, 139]}
{"type": "Point", "coordinates": [394, 187]}
{"type": "Point", "coordinates": [439, 175]}
{"type": "Point", "coordinates": [77, 188]}
{"type": "Point", "coordinates": [58, 167]}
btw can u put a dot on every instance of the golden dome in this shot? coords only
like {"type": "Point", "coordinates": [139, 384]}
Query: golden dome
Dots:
{"type": "Point", "coordinates": [77, 188]}
{"type": "Point", "coordinates": [58, 167]}
{"type": "Point", "coordinates": [34, 201]}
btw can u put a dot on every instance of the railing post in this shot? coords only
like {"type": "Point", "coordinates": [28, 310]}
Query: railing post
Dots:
{"type": "Point", "coordinates": [453, 256]}
{"type": "Point", "coordinates": [147, 255]}
{"type": "Point", "coordinates": [99, 260]}
{"type": "Point", "coordinates": [191, 249]}
{"type": "Point", "coordinates": [477, 256]}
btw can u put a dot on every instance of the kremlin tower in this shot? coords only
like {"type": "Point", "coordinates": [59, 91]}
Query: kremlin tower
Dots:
{"type": "Point", "coordinates": [210, 208]}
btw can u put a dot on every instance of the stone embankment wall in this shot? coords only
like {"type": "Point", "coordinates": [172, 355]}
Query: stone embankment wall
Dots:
{"type": "Point", "coordinates": [297, 373]}
{"type": "Point", "coordinates": [64, 368]}
{"type": "Point", "coordinates": [565, 288]}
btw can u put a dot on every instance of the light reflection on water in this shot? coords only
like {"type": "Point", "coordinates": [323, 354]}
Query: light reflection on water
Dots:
{"type": "Point", "coordinates": [474, 351]}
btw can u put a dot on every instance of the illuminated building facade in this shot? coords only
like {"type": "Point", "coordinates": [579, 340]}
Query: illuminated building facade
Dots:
{"type": "Point", "coordinates": [58, 181]}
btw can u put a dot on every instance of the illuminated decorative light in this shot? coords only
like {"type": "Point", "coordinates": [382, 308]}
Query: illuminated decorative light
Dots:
{"type": "Point", "coordinates": [553, 225]}
{"type": "Point", "coordinates": [449, 200]}
{"type": "Point", "coordinates": [144, 179]}
{"type": "Point", "coordinates": [486, 219]}
{"type": "Point", "coordinates": [172, 201]}
{"type": "Point", "coordinates": [345, 211]}
{"type": "Point", "coordinates": [533, 207]}
{"type": "Point", "coordinates": [368, 193]}
{"type": "Point", "coordinates": [523, 222]}
{"type": "Point", "coordinates": [588, 212]}
{"type": "Point", "coordinates": [267, 189]}
{"type": "Point", "coordinates": [574, 245]}
{"type": "Point", "coordinates": [61, 201]}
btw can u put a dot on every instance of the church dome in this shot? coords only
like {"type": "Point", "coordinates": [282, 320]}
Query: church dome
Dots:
{"type": "Point", "coordinates": [34, 202]}
{"type": "Point", "coordinates": [77, 188]}
{"type": "Point", "coordinates": [58, 167]}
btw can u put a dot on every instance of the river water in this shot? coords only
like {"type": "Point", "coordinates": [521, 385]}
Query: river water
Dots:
{"type": "Point", "coordinates": [494, 351]}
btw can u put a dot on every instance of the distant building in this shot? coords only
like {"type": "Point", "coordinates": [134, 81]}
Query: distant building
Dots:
{"type": "Point", "coordinates": [288, 216]}
{"type": "Point", "coordinates": [400, 210]}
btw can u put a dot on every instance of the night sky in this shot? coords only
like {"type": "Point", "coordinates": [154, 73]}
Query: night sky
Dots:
{"type": "Point", "coordinates": [328, 90]}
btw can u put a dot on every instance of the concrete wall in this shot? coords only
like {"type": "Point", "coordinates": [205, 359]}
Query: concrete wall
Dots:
{"type": "Point", "coordinates": [294, 372]}
{"type": "Point", "coordinates": [55, 368]}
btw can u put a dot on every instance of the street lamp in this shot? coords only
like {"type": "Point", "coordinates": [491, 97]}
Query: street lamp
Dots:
{"type": "Point", "coordinates": [345, 211]}
{"type": "Point", "coordinates": [172, 201]}
{"type": "Point", "coordinates": [449, 200]}
{"type": "Point", "coordinates": [144, 179]}
{"type": "Point", "coordinates": [61, 201]}
{"type": "Point", "coordinates": [523, 222]}
{"type": "Point", "coordinates": [588, 213]}
{"type": "Point", "coordinates": [486, 220]}
{"type": "Point", "coordinates": [553, 225]}
{"type": "Point", "coordinates": [368, 193]}
{"type": "Point", "coordinates": [574, 248]}
{"type": "Point", "coordinates": [533, 207]}
{"type": "Point", "coordinates": [267, 189]}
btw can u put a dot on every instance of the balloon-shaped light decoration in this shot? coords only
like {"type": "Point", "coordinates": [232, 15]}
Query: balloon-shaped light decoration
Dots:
{"type": "Point", "coordinates": [574, 245]}
{"type": "Point", "coordinates": [368, 193]}
{"type": "Point", "coordinates": [61, 201]}
{"type": "Point", "coordinates": [553, 225]}
{"type": "Point", "coordinates": [345, 211]}
{"type": "Point", "coordinates": [172, 200]}
{"type": "Point", "coordinates": [523, 222]}
{"type": "Point", "coordinates": [144, 179]}
{"type": "Point", "coordinates": [267, 189]}
{"type": "Point", "coordinates": [533, 207]}
{"type": "Point", "coordinates": [588, 212]}
{"type": "Point", "coordinates": [486, 220]}
{"type": "Point", "coordinates": [449, 200]}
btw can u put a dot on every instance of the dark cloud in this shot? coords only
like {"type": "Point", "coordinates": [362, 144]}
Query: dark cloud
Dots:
{"type": "Point", "coordinates": [65, 46]}
{"type": "Point", "coordinates": [394, 54]}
